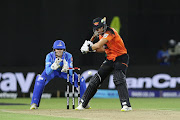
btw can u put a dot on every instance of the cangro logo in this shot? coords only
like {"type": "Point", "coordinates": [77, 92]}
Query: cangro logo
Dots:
{"type": "Point", "coordinates": [159, 81]}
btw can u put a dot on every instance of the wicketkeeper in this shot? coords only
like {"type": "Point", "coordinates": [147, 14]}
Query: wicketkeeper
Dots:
{"type": "Point", "coordinates": [57, 63]}
{"type": "Point", "coordinates": [116, 61]}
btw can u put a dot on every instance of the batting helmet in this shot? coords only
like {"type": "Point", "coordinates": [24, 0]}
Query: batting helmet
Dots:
{"type": "Point", "coordinates": [59, 44]}
{"type": "Point", "coordinates": [98, 23]}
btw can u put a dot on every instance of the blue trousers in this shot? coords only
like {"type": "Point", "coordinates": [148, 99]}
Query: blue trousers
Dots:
{"type": "Point", "coordinates": [43, 79]}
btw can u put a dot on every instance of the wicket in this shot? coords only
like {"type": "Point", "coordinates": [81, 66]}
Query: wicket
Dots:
{"type": "Point", "coordinates": [68, 86]}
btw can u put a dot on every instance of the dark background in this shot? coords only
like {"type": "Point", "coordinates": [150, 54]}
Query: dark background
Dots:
{"type": "Point", "coordinates": [29, 28]}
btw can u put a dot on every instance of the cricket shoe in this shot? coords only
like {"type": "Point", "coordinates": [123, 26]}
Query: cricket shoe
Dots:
{"type": "Point", "coordinates": [126, 108]}
{"type": "Point", "coordinates": [80, 107]}
{"type": "Point", "coordinates": [33, 106]}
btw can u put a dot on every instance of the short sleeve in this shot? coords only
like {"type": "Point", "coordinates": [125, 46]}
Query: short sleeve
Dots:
{"type": "Point", "coordinates": [108, 36]}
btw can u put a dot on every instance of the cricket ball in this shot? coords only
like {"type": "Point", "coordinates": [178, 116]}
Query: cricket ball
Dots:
{"type": "Point", "coordinates": [89, 73]}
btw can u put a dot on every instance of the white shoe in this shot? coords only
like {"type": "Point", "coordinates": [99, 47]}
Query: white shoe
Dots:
{"type": "Point", "coordinates": [126, 108]}
{"type": "Point", "coordinates": [33, 106]}
{"type": "Point", "coordinates": [80, 107]}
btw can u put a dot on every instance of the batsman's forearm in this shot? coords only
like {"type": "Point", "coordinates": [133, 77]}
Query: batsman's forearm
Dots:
{"type": "Point", "coordinates": [99, 44]}
{"type": "Point", "coordinates": [100, 50]}
{"type": "Point", "coordinates": [95, 46]}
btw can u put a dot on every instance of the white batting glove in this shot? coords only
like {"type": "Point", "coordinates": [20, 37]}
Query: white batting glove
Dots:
{"type": "Point", "coordinates": [85, 47]}
{"type": "Point", "coordinates": [56, 65]}
{"type": "Point", "coordinates": [65, 66]}
{"type": "Point", "coordinates": [90, 43]}
{"type": "Point", "coordinates": [85, 43]}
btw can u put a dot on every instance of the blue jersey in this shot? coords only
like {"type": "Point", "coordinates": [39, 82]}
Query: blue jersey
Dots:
{"type": "Point", "coordinates": [50, 58]}
{"type": "Point", "coordinates": [48, 74]}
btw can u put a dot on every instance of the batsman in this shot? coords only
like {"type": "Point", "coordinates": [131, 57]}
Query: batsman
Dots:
{"type": "Point", "coordinates": [116, 61]}
{"type": "Point", "coordinates": [56, 65]}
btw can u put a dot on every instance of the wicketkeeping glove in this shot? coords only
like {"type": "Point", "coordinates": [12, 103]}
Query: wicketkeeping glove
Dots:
{"type": "Point", "coordinates": [65, 66]}
{"type": "Point", "coordinates": [56, 65]}
{"type": "Point", "coordinates": [58, 60]}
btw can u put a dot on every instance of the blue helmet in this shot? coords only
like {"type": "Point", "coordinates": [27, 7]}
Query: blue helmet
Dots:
{"type": "Point", "coordinates": [59, 44]}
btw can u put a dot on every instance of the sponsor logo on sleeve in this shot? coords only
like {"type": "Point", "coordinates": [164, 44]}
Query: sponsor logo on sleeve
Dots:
{"type": "Point", "coordinates": [105, 35]}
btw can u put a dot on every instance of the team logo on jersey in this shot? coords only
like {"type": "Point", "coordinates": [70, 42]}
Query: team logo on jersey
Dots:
{"type": "Point", "coordinates": [105, 35]}
{"type": "Point", "coordinates": [96, 23]}
{"type": "Point", "coordinates": [60, 44]}
{"type": "Point", "coordinates": [71, 58]}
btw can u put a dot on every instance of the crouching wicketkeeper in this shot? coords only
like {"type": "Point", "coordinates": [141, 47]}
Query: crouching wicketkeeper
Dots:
{"type": "Point", "coordinates": [57, 63]}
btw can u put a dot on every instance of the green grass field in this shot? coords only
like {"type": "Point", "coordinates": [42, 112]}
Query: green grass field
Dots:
{"type": "Point", "coordinates": [57, 105]}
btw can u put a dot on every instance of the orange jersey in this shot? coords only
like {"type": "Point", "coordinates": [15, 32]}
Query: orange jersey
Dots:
{"type": "Point", "coordinates": [115, 45]}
